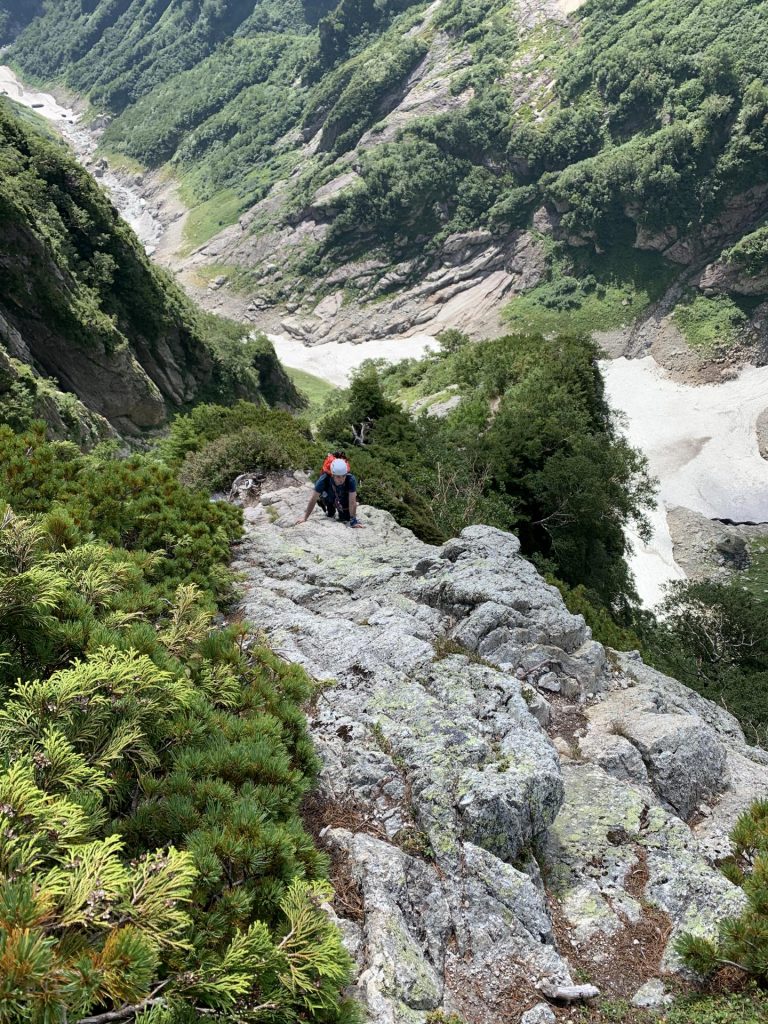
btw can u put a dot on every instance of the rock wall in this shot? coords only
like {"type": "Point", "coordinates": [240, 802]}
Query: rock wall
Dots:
{"type": "Point", "coordinates": [506, 803]}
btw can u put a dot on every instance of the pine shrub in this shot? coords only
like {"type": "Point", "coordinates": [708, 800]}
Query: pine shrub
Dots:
{"type": "Point", "coordinates": [742, 941]}
{"type": "Point", "coordinates": [192, 432]}
{"type": "Point", "coordinates": [217, 464]}
{"type": "Point", "coordinates": [152, 855]}
{"type": "Point", "coordinates": [136, 503]}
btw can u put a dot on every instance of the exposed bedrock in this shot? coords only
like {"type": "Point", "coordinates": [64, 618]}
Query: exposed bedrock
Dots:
{"type": "Point", "coordinates": [503, 799]}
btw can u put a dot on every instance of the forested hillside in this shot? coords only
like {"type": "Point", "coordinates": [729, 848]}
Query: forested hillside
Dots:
{"type": "Point", "coordinates": [15, 14]}
{"type": "Point", "coordinates": [91, 334]}
{"type": "Point", "coordinates": [379, 131]}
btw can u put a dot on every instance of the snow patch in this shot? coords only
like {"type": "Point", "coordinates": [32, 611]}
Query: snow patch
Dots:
{"type": "Point", "coordinates": [335, 361]}
{"type": "Point", "coordinates": [701, 443]}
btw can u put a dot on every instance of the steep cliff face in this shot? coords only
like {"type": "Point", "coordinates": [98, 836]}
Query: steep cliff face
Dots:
{"type": "Point", "coordinates": [82, 306]}
{"type": "Point", "coordinates": [507, 804]}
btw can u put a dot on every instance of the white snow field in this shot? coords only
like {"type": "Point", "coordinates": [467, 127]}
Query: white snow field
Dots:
{"type": "Point", "coordinates": [334, 361]}
{"type": "Point", "coordinates": [701, 443]}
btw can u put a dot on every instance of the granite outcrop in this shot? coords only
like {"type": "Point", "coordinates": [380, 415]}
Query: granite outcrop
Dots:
{"type": "Point", "coordinates": [510, 805]}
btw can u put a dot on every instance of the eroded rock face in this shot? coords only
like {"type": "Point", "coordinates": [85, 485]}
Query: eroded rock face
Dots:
{"type": "Point", "coordinates": [721, 276]}
{"type": "Point", "coordinates": [469, 722]}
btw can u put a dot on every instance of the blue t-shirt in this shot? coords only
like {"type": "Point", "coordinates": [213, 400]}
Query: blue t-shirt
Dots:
{"type": "Point", "coordinates": [338, 494]}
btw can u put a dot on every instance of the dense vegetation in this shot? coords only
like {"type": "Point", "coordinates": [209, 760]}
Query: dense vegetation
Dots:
{"type": "Point", "coordinates": [151, 850]}
{"type": "Point", "coordinates": [661, 116]}
{"type": "Point", "coordinates": [656, 117]}
{"type": "Point", "coordinates": [91, 311]}
{"type": "Point", "coordinates": [15, 14]}
{"type": "Point", "coordinates": [532, 446]}
{"type": "Point", "coordinates": [712, 638]}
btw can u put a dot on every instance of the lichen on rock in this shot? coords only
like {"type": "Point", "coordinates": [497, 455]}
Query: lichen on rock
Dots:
{"type": "Point", "coordinates": [431, 728]}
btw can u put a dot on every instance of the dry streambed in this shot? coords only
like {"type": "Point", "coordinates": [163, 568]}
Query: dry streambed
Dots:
{"type": "Point", "coordinates": [150, 218]}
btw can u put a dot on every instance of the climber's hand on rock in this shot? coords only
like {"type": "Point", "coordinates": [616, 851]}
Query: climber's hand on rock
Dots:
{"type": "Point", "coordinates": [300, 521]}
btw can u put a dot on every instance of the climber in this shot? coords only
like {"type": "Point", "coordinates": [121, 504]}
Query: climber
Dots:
{"type": "Point", "coordinates": [334, 492]}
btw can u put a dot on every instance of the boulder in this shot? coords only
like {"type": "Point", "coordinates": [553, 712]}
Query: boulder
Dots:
{"type": "Point", "coordinates": [683, 756]}
{"type": "Point", "coordinates": [619, 856]}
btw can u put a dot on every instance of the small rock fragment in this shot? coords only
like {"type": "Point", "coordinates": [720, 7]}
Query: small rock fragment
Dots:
{"type": "Point", "coordinates": [541, 1013]}
{"type": "Point", "coordinates": [652, 995]}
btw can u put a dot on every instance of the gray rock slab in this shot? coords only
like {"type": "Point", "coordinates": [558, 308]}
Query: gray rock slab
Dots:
{"type": "Point", "coordinates": [608, 835]}
{"type": "Point", "coordinates": [444, 747]}
{"type": "Point", "coordinates": [429, 720]}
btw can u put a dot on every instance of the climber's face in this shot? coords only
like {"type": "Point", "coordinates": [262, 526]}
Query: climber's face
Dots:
{"type": "Point", "coordinates": [338, 480]}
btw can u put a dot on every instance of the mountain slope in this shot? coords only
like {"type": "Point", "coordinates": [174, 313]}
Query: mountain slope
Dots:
{"type": "Point", "coordinates": [595, 158]}
{"type": "Point", "coordinates": [15, 15]}
{"type": "Point", "coordinates": [491, 824]}
{"type": "Point", "coordinates": [82, 304]}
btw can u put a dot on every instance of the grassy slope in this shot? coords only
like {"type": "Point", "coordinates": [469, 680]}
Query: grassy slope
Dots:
{"type": "Point", "coordinates": [316, 391]}
{"type": "Point", "coordinates": [593, 293]}
{"type": "Point", "coordinates": [755, 578]}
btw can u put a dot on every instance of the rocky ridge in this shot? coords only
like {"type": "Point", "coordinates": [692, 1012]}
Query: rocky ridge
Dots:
{"type": "Point", "coordinates": [507, 804]}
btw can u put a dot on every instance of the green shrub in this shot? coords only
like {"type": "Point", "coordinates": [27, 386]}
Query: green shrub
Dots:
{"type": "Point", "coordinates": [751, 252]}
{"type": "Point", "coordinates": [136, 503]}
{"type": "Point", "coordinates": [191, 432]}
{"type": "Point", "coordinates": [709, 322]}
{"type": "Point", "coordinates": [712, 638]}
{"type": "Point", "coordinates": [216, 465]}
{"type": "Point", "coordinates": [152, 770]}
{"type": "Point", "coordinates": [742, 941]}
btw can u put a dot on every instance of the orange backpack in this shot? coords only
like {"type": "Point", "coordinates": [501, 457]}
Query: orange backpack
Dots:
{"type": "Point", "coordinates": [329, 459]}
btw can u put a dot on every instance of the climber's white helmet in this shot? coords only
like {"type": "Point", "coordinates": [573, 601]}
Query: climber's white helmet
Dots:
{"type": "Point", "coordinates": [339, 467]}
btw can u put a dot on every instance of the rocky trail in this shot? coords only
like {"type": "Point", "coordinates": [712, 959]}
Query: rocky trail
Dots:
{"type": "Point", "coordinates": [509, 807]}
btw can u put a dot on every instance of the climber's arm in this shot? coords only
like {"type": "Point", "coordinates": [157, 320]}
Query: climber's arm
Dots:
{"type": "Point", "coordinates": [310, 506]}
{"type": "Point", "coordinates": [353, 511]}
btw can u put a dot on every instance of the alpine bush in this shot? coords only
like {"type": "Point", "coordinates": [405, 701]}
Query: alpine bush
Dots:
{"type": "Point", "coordinates": [152, 853]}
{"type": "Point", "coordinates": [216, 465]}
